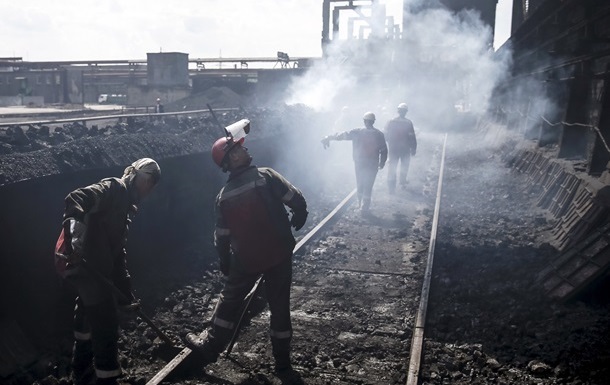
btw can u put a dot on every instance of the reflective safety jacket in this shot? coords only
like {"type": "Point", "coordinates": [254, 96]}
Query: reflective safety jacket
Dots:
{"type": "Point", "coordinates": [368, 145]}
{"type": "Point", "coordinates": [252, 225]}
{"type": "Point", "coordinates": [400, 135]}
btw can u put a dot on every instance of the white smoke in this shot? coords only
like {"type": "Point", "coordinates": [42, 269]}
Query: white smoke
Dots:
{"type": "Point", "coordinates": [442, 63]}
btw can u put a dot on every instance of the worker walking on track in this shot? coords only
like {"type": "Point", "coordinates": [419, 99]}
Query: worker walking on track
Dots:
{"type": "Point", "coordinates": [253, 237]}
{"type": "Point", "coordinates": [369, 152]}
{"type": "Point", "coordinates": [402, 145]}
{"type": "Point", "coordinates": [91, 256]}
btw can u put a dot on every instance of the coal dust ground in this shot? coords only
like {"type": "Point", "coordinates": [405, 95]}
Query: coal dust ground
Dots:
{"type": "Point", "coordinates": [356, 290]}
{"type": "Point", "coordinates": [489, 322]}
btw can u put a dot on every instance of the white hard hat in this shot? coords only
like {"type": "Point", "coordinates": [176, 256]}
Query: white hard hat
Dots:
{"type": "Point", "coordinates": [369, 116]}
{"type": "Point", "coordinates": [403, 106]}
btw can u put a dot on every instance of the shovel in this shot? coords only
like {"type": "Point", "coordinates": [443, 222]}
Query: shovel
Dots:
{"type": "Point", "coordinates": [123, 298]}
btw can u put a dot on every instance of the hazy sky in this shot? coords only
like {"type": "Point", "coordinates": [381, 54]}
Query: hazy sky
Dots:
{"type": "Point", "coordinates": [38, 30]}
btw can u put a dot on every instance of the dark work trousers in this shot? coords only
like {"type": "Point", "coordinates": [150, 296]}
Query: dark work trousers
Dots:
{"type": "Point", "coordinates": [404, 157]}
{"type": "Point", "coordinates": [366, 171]}
{"type": "Point", "coordinates": [278, 280]}
{"type": "Point", "coordinates": [96, 328]}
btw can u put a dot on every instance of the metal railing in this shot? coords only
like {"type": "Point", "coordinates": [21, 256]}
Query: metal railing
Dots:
{"type": "Point", "coordinates": [112, 116]}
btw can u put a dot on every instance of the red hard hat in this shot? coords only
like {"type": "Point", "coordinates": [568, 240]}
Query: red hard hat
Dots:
{"type": "Point", "coordinates": [221, 148]}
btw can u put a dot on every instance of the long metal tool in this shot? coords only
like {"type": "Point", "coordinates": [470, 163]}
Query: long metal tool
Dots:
{"type": "Point", "coordinates": [123, 298]}
{"type": "Point", "coordinates": [297, 247]}
{"type": "Point", "coordinates": [224, 130]}
{"type": "Point", "coordinates": [247, 300]}
{"type": "Point", "coordinates": [160, 376]}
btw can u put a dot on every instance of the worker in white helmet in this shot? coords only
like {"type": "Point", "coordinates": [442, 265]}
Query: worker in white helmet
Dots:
{"type": "Point", "coordinates": [369, 153]}
{"type": "Point", "coordinates": [402, 144]}
{"type": "Point", "coordinates": [159, 108]}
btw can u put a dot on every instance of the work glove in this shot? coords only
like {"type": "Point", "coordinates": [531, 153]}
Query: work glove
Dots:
{"type": "Point", "coordinates": [128, 303]}
{"type": "Point", "coordinates": [123, 283]}
{"type": "Point", "coordinates": [225, 264]}
{"type": "Point", "coordinates": [325, 142]}
{"type": "Point", "coordinates": [132, 307]}
{"type": "Point", "coordinates": [76, 231]}
{"type": "Point", "coordinates": [298, 219]}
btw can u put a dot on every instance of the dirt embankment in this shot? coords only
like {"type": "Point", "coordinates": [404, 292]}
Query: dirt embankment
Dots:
{"type": "Point", "coordinates": [40, 150]}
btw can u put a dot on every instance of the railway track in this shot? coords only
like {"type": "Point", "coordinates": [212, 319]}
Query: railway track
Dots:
{"type": "Point", "coordinates": [357, 287]}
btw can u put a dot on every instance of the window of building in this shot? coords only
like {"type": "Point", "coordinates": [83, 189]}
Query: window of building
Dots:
{"type": "Point", "coordinates": [38, 79]}
{"type": "Point", "coordinates": [57, 79]}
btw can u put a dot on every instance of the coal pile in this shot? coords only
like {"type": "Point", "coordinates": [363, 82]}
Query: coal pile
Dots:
{"type": "Point", "coordinates": [40, 150]}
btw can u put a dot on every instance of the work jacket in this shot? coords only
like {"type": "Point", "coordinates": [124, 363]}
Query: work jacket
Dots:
{"type": "Point", "coordinates": [252, 225]}
{"type": "Point", "coordinates": [105, 209]}
{"type": "Point", "coordinates": [368, 145]}
{"type": "Point", "coordinates": [400, 136]}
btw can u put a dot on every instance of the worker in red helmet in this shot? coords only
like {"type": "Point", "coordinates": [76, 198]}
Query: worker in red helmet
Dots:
{"type": "Point", "coordinates": [369, 153]}
{"type": "Point", "coordinates": [90, 256]}
{"type": "Point", "coordinates": [253, 237]}
{"type": "Point", "coordinates": [402, 146]}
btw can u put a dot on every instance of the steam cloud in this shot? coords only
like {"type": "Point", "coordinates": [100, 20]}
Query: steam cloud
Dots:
{"type": "Point", "coordinates": [443, 66]}
{"type": "Point", "coordinates": [442, 62]}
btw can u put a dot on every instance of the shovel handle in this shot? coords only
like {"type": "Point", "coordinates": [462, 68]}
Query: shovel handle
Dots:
{"type": "Point", "coordinates": [121, 296]}
{"type": "Point", "coordinates": [248, 300]}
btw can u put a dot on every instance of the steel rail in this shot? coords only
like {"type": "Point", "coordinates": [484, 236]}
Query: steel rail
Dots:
{"type": "Point", "coordinates": [114, 116]}
{"type": "Point", "coordinates": [417, 341]}
{"type": "Point", "coordinates": [173, 364]}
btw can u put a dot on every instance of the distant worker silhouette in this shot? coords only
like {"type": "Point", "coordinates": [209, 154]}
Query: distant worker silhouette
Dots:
{"type": "Point", "coordinates": [402, 144]}
{"type": "Point", "coordinates": [159, 108]}
{"type": "Point", "coordinates": [369, 152]}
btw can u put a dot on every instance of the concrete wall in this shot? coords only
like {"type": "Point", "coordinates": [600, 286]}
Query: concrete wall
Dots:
{"type": "Point", "coordinates": [169, 69]}
{"type": "Point", "coordinates": [147, 96]}
{"type": "Point", "coordinates": [8, 101]}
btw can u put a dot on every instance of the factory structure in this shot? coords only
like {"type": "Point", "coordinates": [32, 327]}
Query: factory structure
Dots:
{"type": "Point", "coordinates": [175, 75]}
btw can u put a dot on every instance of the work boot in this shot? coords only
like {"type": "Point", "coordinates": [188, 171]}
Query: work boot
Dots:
{"type": "Point", "coordinates": [201, 347]}
{"type": "Point", "coordinates": [84, 376]}
{"type": "Point", "coordinates": [282, 365]}
{"type": "Point", "coordinates": [110, 381]}
{"type": "Point", "coordinates": [289, 376]}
